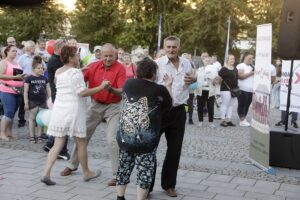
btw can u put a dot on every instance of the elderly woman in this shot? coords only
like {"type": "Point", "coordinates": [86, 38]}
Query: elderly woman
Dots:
{"type": "Point", "coordinates": [11, 85]}
{"type": "Point", "coordinates": [144, 103]}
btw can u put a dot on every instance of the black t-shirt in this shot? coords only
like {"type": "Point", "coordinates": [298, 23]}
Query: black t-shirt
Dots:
{"type": "Point", "coordinates": [230, 77]}
{"type": "Point", "coordinates": [143, 105]}
{"type": "Point", "coordinates": [37, 92]}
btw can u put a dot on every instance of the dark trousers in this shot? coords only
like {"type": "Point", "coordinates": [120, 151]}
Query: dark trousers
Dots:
{"type": "Point", "coordinates": [209, 101]}
{"type": "Point", "coordinates": [173, 125]}
{"type": "Point", "coordinates": [244, 102]}
{"type": "Point", "coordinates": [190, 103]}
{"type": "Point", "coordinates": [21, 113]}
{"type": "Point", "coordinates": [294, 117]}
{"type": "Point", "coordinates": [50, 143]}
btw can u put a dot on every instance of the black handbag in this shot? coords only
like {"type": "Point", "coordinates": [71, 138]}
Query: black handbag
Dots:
{"type": "Point", "coordinates": [235, 92]}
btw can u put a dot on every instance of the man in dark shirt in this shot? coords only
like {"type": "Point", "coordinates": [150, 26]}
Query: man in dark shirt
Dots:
{"type": "Point", "coordinates": [55, 63]}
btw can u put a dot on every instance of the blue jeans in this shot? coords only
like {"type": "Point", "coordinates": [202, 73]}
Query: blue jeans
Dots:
{"type": "Point", "coordinates": [11, 103]}
{"type": "Point", "coordinates": [294, 117]}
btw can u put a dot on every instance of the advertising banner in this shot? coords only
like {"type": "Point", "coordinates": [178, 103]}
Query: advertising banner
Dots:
{"type": "Point", "coordinates": [259, 138]}
{"type": "Point", "coordinates": [295, 93]}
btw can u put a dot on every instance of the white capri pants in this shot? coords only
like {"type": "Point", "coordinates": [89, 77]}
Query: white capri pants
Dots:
{"type": "Point", "coordinates": [227, 103]}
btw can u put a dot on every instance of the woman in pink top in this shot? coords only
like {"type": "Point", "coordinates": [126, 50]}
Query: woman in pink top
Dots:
{"type": "Point", "coordinates": [11, 80]}
{"type": "Point", "coordinates": [129, 66]}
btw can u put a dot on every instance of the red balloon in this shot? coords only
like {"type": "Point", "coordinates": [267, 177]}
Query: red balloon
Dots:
{"type": "Point", "coordinates": [50, 46]}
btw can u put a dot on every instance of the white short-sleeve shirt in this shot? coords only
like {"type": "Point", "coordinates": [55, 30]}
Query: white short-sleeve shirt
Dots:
{"type": "Point", "coordinates": [246, 84]}
{"type": "Point", "coordinates": [273, 70]}
{"type": "Point", "coordinates": [180, 91]}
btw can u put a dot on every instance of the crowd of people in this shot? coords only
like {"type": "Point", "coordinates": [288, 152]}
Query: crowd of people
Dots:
{"type": "Point", "coordinates": [139, 97]}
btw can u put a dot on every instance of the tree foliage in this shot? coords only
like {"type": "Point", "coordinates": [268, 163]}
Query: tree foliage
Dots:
{"type": "Point", "coordinates": [200, 24]}
{"type": "Point", "coordinates": [97, 21]}
{"type": "Point", "coordinates": [28, 23]}
{"type": "Point", "coordinates": [142, 17]}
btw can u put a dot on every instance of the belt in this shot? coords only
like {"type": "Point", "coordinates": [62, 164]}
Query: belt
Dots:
{"type": "Point", "coordinates": [105, 103]}
{"type": "Point", "coordinates": [101, 102]}
{"type": "Point", "coordinates": [177, 107]}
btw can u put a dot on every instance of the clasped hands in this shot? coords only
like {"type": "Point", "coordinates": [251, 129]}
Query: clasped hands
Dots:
{"type": "Point", "coordinates": [106, 85]}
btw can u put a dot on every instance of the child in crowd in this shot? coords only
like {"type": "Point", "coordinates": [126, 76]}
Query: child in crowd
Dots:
{"type": "Point", "coordinates": [36, 93]}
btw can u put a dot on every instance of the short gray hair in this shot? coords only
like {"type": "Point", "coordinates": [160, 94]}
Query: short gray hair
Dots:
{"type": "Point", "coordinates": [110, 46]}
{"type": "Point", "coordinates": [172, 38]}
{"type": "Point", "coordinates": [28, 45]}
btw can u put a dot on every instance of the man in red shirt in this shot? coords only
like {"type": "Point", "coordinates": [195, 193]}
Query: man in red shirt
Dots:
{"type": "Point", "coordinates": [105, 104]}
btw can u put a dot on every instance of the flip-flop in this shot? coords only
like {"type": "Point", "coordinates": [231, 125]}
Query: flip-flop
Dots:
{"type": "Point", "coordinates": [98, 173]}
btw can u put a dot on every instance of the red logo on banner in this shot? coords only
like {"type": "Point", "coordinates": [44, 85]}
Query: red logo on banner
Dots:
{"type": "Point", "coordinates": [298, 78]}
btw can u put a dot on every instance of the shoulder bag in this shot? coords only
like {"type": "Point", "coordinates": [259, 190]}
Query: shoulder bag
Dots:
{"type": "Point", "coordinates": [235, 92]}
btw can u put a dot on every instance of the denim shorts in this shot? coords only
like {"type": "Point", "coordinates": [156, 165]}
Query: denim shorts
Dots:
{"type": "Point", "coordinates": [11, 103]}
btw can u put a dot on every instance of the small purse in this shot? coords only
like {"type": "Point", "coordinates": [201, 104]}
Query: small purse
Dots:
{"type": "Point", "coordinates": [18, 90]}
{"type": "Point", "coordinates": [235, 92]}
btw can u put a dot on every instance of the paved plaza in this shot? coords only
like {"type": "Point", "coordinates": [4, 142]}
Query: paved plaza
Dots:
{"type": "Point", "coordinates": [214, 165]}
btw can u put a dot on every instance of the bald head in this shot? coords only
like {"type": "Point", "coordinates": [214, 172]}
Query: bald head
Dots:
{"type": "Point", "coordinates": [108, 54]}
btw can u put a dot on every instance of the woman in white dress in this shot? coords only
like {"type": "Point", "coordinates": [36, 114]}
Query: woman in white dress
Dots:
{"type": "Point", "coordinates": [69, 113]}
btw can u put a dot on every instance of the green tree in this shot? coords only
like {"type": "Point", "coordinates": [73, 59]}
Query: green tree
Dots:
{"type": "Point", "coordinates": [28, 23]}
{"type": "Point", "coordinates": [142, 17]}
{"type": "Point", "coordinates": [204, 26]}
{"type": "Point", "coordinates": [267, 11]}
{"type": "Point", "coordinates": [97, 21]}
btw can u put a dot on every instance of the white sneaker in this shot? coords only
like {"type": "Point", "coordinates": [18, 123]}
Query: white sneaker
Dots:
{"type": "Point", "coordinates": [200, 124]}
{"type": "Point", "coordinates": [244, 123]}
{"type": "Point", "coordinates": [211, 125]}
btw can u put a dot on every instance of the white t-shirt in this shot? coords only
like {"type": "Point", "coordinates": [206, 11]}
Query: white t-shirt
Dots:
{"type": "Point", "coordinates": [217, 65]}
{"type": "Point", "coordinates": [211, 71]}
{"type": "Point", "coordinates": [246, 84]}
{"type": "Point", "coordinates": [273, 70]}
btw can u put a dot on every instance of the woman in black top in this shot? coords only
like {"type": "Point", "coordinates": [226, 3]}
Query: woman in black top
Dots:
{"type": "Point", "coordinates": [143, 105]}
{"type": "Point", "coordinates": [229, 74]}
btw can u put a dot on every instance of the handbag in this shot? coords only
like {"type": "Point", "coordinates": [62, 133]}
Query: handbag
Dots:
{"type": "Point", "coordinates": [235, 92]}
{"type": "Point", "coordinates": [18, 90]}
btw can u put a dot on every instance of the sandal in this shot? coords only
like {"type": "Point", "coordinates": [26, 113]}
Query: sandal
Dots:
{"type": "Point", "coordinates": [32, 140]}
